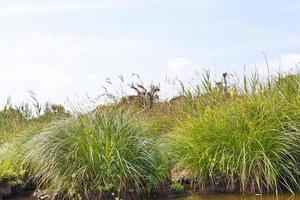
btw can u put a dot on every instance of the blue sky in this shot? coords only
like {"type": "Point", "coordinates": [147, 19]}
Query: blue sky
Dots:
{"type": "Point", "coordinates": [65, 48]}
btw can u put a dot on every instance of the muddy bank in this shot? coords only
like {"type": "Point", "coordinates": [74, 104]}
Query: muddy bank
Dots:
{"type": "Point", "coordinates": [10, 188]}
{"type": "Point", "coordinates": [168, 190]}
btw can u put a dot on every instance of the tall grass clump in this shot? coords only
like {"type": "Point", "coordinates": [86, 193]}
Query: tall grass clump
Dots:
{"type": "Point", "coordinates": [17, 125]}
{"type": "Point", "coordinates": [12, 122]}
{"type": "Point", "coordinates": [249, 143]}
{"type": "Point", "coordinates": [99, 153]}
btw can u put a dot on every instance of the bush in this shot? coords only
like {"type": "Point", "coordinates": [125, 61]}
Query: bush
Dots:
{"type": "Point", "coordinates": [99, 152]}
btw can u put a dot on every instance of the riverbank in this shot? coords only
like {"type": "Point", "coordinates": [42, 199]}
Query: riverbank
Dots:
{"type": "Point", "coordinates": [239, 197]}
{"type": "Point", "coordinates": [14, 188]}
{"type": "Point", "coordinates": [215, 137]}
{"type": "Point", "coordinates": [214, 197]}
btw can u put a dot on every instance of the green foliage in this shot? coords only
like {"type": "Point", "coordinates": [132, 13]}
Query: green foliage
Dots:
{"type": "Point", "coordinates": [6, 170]}
{"type": "Point", "coordinates": [177, 187]}
{"type": "Point", "coordinates": [253, 139]}
{"type": "Point", "coordinates": [98, 152]}
{"type": "Point", "coordinates": [8, 161]}
{"type": "Point", "coordinates": [216, 131]}
{"type": "Point", "coordinates": [157, 126]}
{"type": "Point", "coordinates": [17, 125]}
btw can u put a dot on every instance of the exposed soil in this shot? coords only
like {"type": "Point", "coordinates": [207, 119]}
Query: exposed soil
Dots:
{"type": "Point", "coordinates": [10, 188]}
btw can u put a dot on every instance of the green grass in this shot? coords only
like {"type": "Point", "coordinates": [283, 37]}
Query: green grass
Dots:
{"type": "Point", "coordinates": [246, 136]}
{"type": "Point", "coordinates": [17, 125]}
{"type": "Point", "coordinates": [99, 152]}
{"type": "Point", "coordinates": [253, 139]}
{"type": "Point", "coordinates": [177, 187]}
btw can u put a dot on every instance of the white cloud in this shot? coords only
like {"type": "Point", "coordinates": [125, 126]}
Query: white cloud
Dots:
{"type": "Point", "coordinates": [21, 9]}
{"type": "Point", "coordinates": [183, 69]}
{"type": "Point", "coordinates": [56, 67]}
{"type": "Point", "coordinates": [285, 63]}
{"type": "Point", "coordinates": [178, 64]}
{"type": "Point", "coordinates": [289, 61]}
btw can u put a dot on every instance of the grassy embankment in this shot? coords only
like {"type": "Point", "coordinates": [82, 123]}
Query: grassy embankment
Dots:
{"type": "Point", "coordinates": [244, 139]}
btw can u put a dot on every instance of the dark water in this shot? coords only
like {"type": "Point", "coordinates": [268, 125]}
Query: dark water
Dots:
{"type": "Point", "coordinates": [28, 197]}
{"type": "Point", "coordinates": [239, 197]}
{"type": "Point", "coordinates": [219, 197]}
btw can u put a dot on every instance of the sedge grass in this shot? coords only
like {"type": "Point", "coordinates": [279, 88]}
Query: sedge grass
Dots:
{"type": "Point", "coordinates": [253, 139]}
{"type": "Point", "coordinates": [105, 151]}
{"type": "Point", "coordinates": [248, 135]}
{"type": "Point", "coordinates": [17, 125]}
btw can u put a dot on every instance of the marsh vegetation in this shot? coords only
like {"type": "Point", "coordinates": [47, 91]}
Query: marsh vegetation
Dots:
{"type": "Point", "coordinates": [212, 137]}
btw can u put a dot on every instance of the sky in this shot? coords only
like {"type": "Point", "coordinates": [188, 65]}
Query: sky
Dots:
{"type": "Point", "coordinates": [65, 49]}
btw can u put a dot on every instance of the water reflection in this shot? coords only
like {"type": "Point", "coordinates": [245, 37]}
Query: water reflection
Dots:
{"type": "Point", "coordinates": [241, 197]}
{"type": "Point", "coordinates": [222, 197]}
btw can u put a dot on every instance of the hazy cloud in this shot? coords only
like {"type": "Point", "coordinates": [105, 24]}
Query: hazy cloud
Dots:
{"type": "Point", "coordinates": [57, 66]}
{"type": "Point", "coordinates": [20, 9]}
{"type": "Point", "coordinates": [286, 63]}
